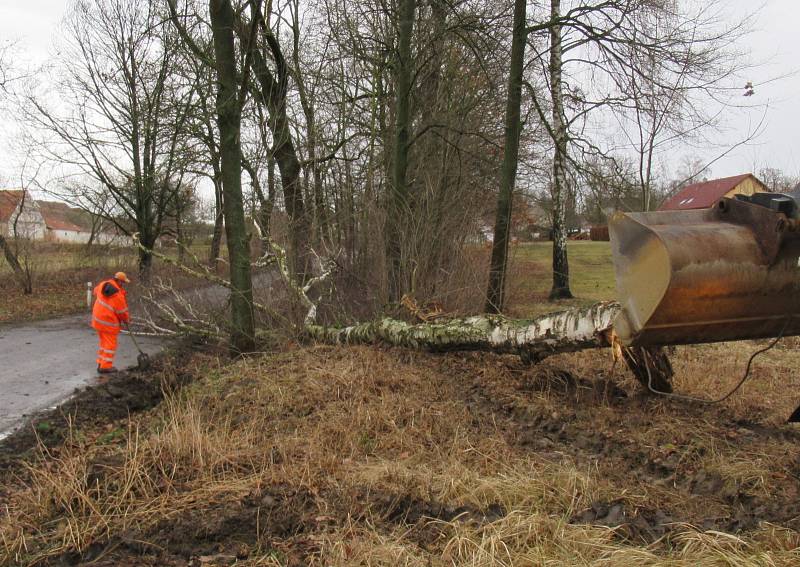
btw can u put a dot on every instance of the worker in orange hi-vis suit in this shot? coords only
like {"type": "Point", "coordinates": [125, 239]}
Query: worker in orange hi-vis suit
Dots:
{"type": "Point", "coordinates": [110, 311]}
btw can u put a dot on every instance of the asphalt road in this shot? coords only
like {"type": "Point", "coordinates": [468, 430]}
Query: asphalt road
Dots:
{"type": "Point", "coordinates": [41, 364]}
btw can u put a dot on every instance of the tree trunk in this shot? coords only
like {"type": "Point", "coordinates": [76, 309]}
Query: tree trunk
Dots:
{"type": "Point", "coordinates": [216, 236]}
{"type": "Point", "coordinates": [319, 224]}
{"type": "Point", "coordinates": [23, 279]}
{"type": "Point", "coordinates": [650, 366]}
{"type": "Point", "coordinates": [273, 94]}
{"type": "Point", "coordinates": [560, 288]}
{"type": "Point", "coordinates": [555, 333]}
{"type": "Point", "coordinates": [229, 116]}
{"type": "Point", "coordinates": [180, 237]}
{"type": "Point", "coordinates": [299, 222]}
{"type": "Point", "coordinates": [97, 222]}
{"type": "Point", "coordinates": [546, 335]}
{"type": "Point", "coordinates": [399, 200]}
{"type": "Point", "coordinates": [263, 213]}
{"type": "Point", "coordinates": [495, 294]}
{"type": "Point", "coordinates": [148, 240]}
{"type": "Point", "coordinates": [269, 204]}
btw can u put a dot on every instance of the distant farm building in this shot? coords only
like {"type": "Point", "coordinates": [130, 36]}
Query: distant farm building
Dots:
{"type": "Point", "coordinates": [707, 193]}
{"type": "Point", "coordinates": [599, 233]}
{"type": "Point", "coordinates": [61, 223]}
{"type": "Point", "coordinates": [20, 215]}
{"type": "Point", "coordinates": [52, 221]}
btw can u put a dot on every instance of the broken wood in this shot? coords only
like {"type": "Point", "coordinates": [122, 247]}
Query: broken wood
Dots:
{"type": "Point", "coordinates": [651, 367]}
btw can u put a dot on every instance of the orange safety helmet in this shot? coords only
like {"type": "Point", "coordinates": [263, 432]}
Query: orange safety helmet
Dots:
{"type": "Point", "coordinates": [121, 277]}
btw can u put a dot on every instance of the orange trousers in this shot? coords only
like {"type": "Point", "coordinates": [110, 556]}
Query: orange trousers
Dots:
{"type": "Point", "coordinates": [108, 347]}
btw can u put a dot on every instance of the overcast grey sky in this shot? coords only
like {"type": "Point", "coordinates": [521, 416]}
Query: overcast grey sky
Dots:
{"type": "Point", "coordinates": [33, 24]}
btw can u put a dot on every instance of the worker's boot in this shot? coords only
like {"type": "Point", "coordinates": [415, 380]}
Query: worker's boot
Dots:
{"type": "Point", "coordinates": [109, 370]}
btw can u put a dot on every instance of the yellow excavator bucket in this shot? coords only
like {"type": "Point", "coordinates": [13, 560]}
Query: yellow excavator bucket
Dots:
{"type": "Point", "coordinates": [726, 273]}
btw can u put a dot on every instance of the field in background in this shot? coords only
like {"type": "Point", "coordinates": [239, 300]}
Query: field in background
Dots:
{"type": "Point", "coordinates": [61, 272]}
{"type": "Point", "coordinates": [531, 276]}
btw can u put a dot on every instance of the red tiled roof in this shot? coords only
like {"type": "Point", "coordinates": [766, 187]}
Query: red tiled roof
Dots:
{"type": "Point", "coordinates": [56, 216]}
{"type": "Point", "coordinates": [9, 200]}
{"type": "Point", "coordinates": [703, 195]}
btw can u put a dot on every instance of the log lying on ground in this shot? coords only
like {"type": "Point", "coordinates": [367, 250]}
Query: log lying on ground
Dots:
{"type": "Point", "coordinates": [571, 330]}
{"type": "Point", "coordinates": [564, 331]}
{"type": "Point", "coordinates": [534, 340]}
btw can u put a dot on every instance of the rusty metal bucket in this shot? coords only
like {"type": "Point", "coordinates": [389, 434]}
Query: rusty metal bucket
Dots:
{"type": "Point", "coordinates": [725, 273]}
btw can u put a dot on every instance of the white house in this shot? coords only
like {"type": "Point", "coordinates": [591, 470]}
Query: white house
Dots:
{"type": "Point", "coordinates": [59, 224]}
{"type": "Point", "coordinates": [73, 225]}
{"type": "Point", "coordinates": [20, 215]}
{"type": "Point", "coordinates": [52, 221]}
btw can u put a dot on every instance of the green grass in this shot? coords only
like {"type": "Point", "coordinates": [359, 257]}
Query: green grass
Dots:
{"type": "Point", "coordinates": [51, 258]}
{"type": "Point", "coordinates": [531, 276]}
{"type": "Point", "coordinates": [48, 258]}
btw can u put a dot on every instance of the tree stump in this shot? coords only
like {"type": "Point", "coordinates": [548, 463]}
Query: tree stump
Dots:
{"type": "Point", "coordinates": [650, 366]}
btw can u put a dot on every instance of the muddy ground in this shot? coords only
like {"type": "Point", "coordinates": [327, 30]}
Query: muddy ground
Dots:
{"type": "Point", "coordinates": [93, 407]}
{"type": "Point", "coordinates": [361, 455]}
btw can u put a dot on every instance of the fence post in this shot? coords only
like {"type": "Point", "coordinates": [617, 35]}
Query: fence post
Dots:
{"type": "Point", "coordinates": [89, 295]}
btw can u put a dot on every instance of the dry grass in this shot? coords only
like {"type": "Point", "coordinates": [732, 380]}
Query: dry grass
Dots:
{"type": "Point", "coordinates": [359, 456]}
{"type": "Point", "coordinates": [60, 273]}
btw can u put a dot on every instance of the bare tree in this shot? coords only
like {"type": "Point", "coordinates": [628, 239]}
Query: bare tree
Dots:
{"type": "Point", "coordinates": [399, 200]}
{"type": "Point", "coordinates": [120, 115]}
{"type": "Point", "coordinates": [776, 180]}
{"type": "Point", "coordinates": [5, 64]}
{"type": "Point", "coordinates": [18, 245]}
{"type": "Point", "coordinates": [679, 64]}
{"type": "Point", "coordinates": [495, 295]}
{"type": "Point", "coordinates": [650, 59]}
{"type": "Point", "coordinates": [271, 83]}
{"type": "Point", "coordinates": [229, 116]}
{"type": "Point", "coordinates": [231, 93]}
{"type": "Point", "coordinates": [560, 289]}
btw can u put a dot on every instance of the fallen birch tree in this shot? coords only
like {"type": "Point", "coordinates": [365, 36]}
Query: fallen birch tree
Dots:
{"type": "Point", "coordinates": [570, 330]}
{"type": "Point", "coordinates": [533, 340]}
{"type": "Point", "coordinates": [536, 339]}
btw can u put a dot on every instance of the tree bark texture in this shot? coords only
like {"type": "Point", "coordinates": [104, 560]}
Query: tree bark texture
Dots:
{"type": "Point", "coordinates": [399, 198]}
{"type": "Point", "coordinates": [219, 225]}
{"type": "Point", "coordinates": [229, 116]}
{"type": "Point", "coordinates": [533, 340]}
{"type": "Point", "coordinates": [536, 339]}
{"type": "Point", "coordinates": [272, 90]}
{"type": "Point", "coordinates": [16, 267]}
{"type": "Point", "coordinates": [560, 289]}
{"type": "Point", "coordinates": [495, 294]}
{"type": "Point", "coordinates": [650, 366]}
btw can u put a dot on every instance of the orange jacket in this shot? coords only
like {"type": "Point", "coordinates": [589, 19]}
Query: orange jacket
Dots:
{"type": "Point", "coordinates": [110, 307]}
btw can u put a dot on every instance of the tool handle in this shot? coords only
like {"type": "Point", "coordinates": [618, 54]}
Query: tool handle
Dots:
{"type": "Point", "coordinates": [130, 334]}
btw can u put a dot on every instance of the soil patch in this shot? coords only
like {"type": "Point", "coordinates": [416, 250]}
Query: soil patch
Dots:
{"type": "Point", "coordinates": [635, 439]}
{"type": "Point", "coordinates": [124, 393]}
{"type": "Point", "coordinates": [357, 455]}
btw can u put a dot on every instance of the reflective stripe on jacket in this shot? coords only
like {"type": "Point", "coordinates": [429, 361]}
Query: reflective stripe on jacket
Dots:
{"type": "Point", "coordinates": [110, 307]}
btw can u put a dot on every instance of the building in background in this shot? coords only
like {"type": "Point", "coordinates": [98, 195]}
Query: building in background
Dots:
{"type": "Point", "coordinates": [708, 193]}
{"type": "Point", "coordinates": [20, 215]}
{"type": "Point", "coordinates": [61, 223]}
{"type": "Point", "coordinates": [53, 221]}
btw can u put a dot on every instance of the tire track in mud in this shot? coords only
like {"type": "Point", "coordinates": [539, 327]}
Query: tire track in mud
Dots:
{"type": "Point", "coordinates": [572, 432]}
